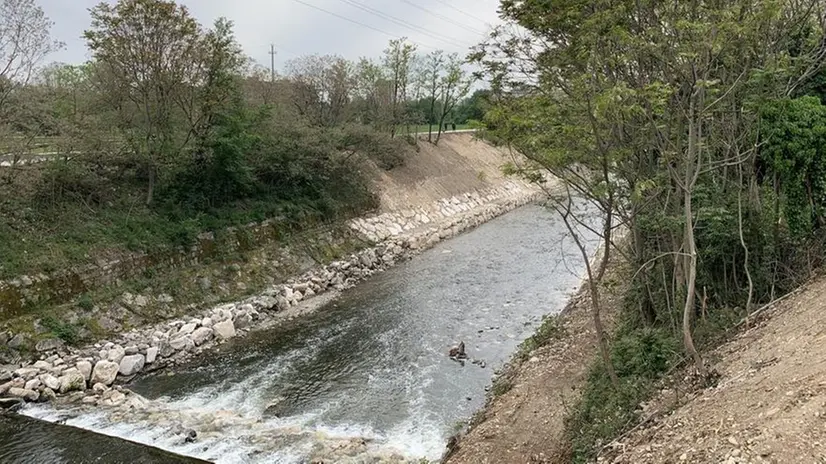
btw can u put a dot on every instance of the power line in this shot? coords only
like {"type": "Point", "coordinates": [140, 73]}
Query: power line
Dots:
{"type": "Point", "coordinates": [447, 4]}
{"type": "Point", "coordinates": [357, 22]}
{"type": "Point", "coordinates": [403, 23]}
{"type": "Point", "coordinates": [443, 17]}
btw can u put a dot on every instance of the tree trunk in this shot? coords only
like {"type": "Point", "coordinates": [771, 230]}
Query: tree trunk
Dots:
{"type": "Point", "coordinates": [593, 288]}
{"type": "Point", "coordinates": [743, 244]}
{"type": "Point", "coordinates": [150, 191]}
{"type": "Point", "coordinates": [692, 167]}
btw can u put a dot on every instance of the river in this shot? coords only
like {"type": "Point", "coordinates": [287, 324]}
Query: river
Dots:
{"type": "Point", "coordinates": [367, 377]}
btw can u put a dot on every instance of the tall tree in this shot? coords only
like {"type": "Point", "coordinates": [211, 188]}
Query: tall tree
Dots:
{"type": "Point", "coordinates": [398, 59]}
{"type": "Point", "coordinates": [24, 42]}
{"type": "Point", "coordinates": [149, 50]}
{"type": "Point", "coordinates": [454, 86]}
{"type": "Point", "coordinates": [430, 77]}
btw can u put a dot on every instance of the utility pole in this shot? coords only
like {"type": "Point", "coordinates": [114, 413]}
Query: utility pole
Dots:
{"type": "Point", "coordinates": [272, 63]}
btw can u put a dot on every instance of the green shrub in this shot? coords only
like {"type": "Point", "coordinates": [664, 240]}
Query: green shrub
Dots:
{"type": "Point", "coordinates": [386, 152]}
{"type": "Point", "coordinates": [550, 329]}
{"type": "Point", "coordinates": [85, 302]}
{"type": "Point", "coordinates": [62, 330]}
{"type": "Point", "coordinates": [639, 357]}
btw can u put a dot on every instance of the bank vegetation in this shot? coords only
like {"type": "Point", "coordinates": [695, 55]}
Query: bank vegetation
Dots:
{"type": "Point", "coordinates": [170, 130]}
{"type": "Point", "coordinates": [696, 127]}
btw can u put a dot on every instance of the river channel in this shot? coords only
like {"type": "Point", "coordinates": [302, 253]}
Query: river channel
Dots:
{"type": "Point", "coordinates": [367, 377]}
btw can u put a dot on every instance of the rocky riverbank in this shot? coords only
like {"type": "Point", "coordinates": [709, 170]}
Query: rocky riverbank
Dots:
{"type": "Point", "coordinates": [92, 374]}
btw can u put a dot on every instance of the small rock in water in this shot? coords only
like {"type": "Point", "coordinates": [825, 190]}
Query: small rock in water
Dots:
{"type": "Point", "coordinates": [48, 394]}
{"type": "Point", "coordinates": [191, 435]}
{"type": "Point", "coordinates": [458, 352]}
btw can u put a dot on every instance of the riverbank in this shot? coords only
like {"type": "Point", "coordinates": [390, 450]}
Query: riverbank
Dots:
{"type": "Point", "coordinates": [368, 373]}
{"type": "Point", "coordinates": [88, 374]}
{"type": "Point", "coordinates": [524, 418]}
{"type": "Point", "coordinates": [768, 405]}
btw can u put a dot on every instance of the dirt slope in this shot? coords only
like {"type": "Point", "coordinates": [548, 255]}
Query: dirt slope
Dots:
{"type": "Point", "coordinates": [459, 164]}
{"type": "Point", "coordinates": [769, 406]}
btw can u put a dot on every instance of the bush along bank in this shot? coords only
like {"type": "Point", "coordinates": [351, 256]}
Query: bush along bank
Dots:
{"type": "Point", "coordinates": [90, 374]}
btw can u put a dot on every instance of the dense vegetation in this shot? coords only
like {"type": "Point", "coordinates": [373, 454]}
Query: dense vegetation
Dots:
{"type": "Point", "coordinates": [170, 131]}
{"type": "Point", "coordinates": [698, 128]}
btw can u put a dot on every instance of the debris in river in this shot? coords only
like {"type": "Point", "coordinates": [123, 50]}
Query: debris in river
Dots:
{"type": "Point", "coordinates": [458, 352]}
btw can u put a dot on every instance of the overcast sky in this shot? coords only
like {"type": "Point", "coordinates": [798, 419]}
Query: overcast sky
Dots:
{"type": "Point", "coordinates": [298, 29]}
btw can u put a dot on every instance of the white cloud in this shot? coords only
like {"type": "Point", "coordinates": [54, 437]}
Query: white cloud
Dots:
{"type": "Point", "coordinates": [297, 29]}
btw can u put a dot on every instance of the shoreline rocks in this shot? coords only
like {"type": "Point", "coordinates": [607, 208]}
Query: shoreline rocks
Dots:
{"type": "Point", "coordinates": [89, 374]}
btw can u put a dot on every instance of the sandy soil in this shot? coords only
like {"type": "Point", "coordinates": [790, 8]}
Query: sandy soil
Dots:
{"type": "Point", "coordinates": [525, 424]}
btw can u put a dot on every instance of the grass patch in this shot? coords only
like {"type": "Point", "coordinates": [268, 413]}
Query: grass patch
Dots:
{"type": "Point", "coordinates": [67, 332]}
{"type": "Point", "coordinates": [501, 385]}
{"type": "Point", "coordinates": [551, 328]}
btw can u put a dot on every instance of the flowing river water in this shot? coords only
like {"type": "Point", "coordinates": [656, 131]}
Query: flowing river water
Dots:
{"type": "Point", "coordinates": [367, 377]}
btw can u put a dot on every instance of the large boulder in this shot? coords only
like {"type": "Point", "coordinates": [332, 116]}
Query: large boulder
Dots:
{"type": "Point", "coordinates": [33, 384]}
{"type": "Point", "coordinates": [49, 344]}
{"type": "Point", "coordinates": [28, 395]}
{"type": "Point", "coordinates": [131, 365]}
{"type": "Point", "coordinates": [116, 354]}
{"type": "Point", "coordinates": [85, 368]}
{"type": "Point", "coordinates": [105, 372]}
{"type": "Point", "coordinates": [27, 373]}
{"type": "Point", "coordinates": [187, 329]}
{"type": "Point", "coordinates": [200, 336]}
{"type": "Point", "coordinates": [152, 354]}
{"type": "Point", "coordinates": [181, 343]}
{"type": "Point", "coordinates": [224, 330]}
{"type": "Point", "coordinates": [50, 381]}
{"type": "Point", "coordinates": [72, 380]}
{"type": "Point", "coordinates": [20, 342]}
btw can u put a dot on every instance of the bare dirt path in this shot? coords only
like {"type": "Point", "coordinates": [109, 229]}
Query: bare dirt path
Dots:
{"type": "Point", "coordinates": [768, 407]}
{"type": "Point", "coordinates": [526, 423]}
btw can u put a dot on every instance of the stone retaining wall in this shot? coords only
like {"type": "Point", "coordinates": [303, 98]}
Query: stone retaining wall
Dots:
{"type": "Point", "coordinates": [89, 374]}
